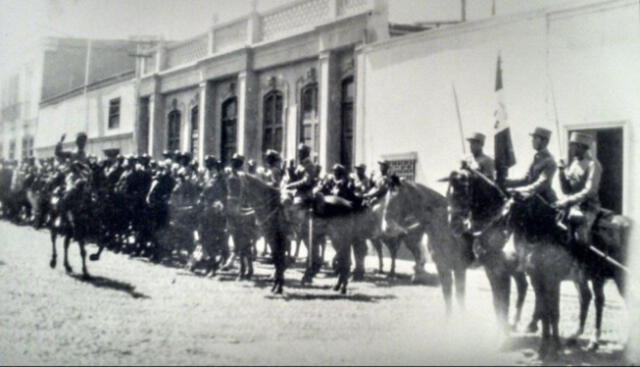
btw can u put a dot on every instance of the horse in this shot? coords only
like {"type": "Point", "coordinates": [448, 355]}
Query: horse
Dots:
{"type": "Point", "coordinates": [480, 223]}
{"type": "Point", "coordinates": [265, 201]}
{"type": "Point", "coordinates": [413, 206]}
{"type": "Point", "coordinates": [75, 217]}
{"type": "Point", "coordinates": [551, 257]}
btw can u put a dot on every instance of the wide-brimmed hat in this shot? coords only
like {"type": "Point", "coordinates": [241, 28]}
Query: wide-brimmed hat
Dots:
{"type": "Point", "coordinates": [361, 166]}
{"type": "Point", "coordinates": [383, 162]}
{"type": "Point", "coordinates": [541, 132]}
{"type": "Point", "coordinates": [581, 138]}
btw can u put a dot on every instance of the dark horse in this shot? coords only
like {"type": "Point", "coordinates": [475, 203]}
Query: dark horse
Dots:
{"type": "Point", "coordinates": [266, 203]}
{"type": "Point", "coordinates": [551, 257]}
{"type": "Point", "coordinates": [480, 223]}
{"type": "Point", "coordinates": [73, 210]}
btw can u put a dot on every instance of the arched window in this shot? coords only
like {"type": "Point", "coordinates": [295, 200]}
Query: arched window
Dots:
{"type": "Point", "coordinates": [346, 120]}
{"type": "Point", "coordinates": [195, 132]}
{"type": "Point", "coordinates": [228, 143]}
{"type": "Point", "coordinates": [272, 121]}
{"type": "Point", "coordinates": [309, 123]}
{"type": "Point", "coordinates": [173, 136]}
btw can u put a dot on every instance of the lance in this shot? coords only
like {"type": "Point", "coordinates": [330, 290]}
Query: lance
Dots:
{"type": "Point", "coordinates": [455, 98]}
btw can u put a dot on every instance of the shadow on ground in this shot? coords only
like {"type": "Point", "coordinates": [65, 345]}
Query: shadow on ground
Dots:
{"type": "Point", "coordinates": [575, 355]}
{"type": "Point", "coordinates": [356, 297]}
{"type": "Point", "coordinates": [116, 285]}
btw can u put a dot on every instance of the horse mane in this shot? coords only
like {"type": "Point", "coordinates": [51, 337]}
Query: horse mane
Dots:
{"type": "Point", "coordinates": [487, 198]}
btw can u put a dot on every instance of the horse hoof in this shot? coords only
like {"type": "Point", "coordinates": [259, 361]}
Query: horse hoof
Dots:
{"type": "Point", "coordinates": [593, 346]}
{"type": "Point", "coordinates": [572, 341]}
{"type": "Point", "coordinates": [336, 287]}
{"type": "Point", "coordinates": [533, 327]}
{"type": "Point", "coordinates": [94, 257]}
{"type": "Point", "coordinates": [52, 263]}
{"type": "Point", "coordinates": [86, 276]}
{"type": "Point", "coordinates": [68, 269]}
{"type": "Point", "coordinates": [343, 291]}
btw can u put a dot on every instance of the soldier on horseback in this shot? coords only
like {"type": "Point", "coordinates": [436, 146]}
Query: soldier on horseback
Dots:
{"type": "Point", "coordinates": [541, 170]}
{"type": "Point", "coordinates": [478, 160]}
{"type": "Point", "coordinates": [273, 171]}
{"type": "Point", "coordinates": [580, 184]}
{"type": "Point", "coordinates": [381, 184]}
{"type": "Point", "coordinates": [538, 179]}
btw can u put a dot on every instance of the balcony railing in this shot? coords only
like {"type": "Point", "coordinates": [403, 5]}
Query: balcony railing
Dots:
{"type": "Point", "coordinates": [255, 28]}
{"type": "Point", "coordinates": [188, 51]}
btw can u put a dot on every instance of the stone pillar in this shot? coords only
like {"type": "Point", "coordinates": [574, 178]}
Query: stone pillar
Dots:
{"type": "Point", "coordinates": [157, 130]}
{"type": "Point", "coordinates": [329, 94]}
{"type": "Point", "coordinates": [248, 133]}
{"type": "Point", "coordinates": [253, 28]}
{"type": "Point", "coordinates": [359, 128]}
{"type": "Point", "coordinates": [206, 123]}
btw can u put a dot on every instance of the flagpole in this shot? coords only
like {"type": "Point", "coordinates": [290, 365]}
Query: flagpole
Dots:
{"type": "Point", "coordinates": [455, 98]}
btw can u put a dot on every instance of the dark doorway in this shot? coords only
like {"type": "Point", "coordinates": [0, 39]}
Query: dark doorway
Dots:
{"type": "Point", "coordinates": [346, 117]}
{"type": "Point", "coordinates": [228, 143]}
{"type": "Point", "coordinates": [608, 148]}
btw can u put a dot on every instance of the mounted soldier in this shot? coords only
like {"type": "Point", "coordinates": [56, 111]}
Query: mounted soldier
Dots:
{"type": "Point", "coordinates": [537, 181]}
{"type": "Point", "coordinates": [381, 184]}
{"type": "Point", "coordinates": [477, 160]}
{"type": "Point", "coordinates": [580, 184]}
{"type": "Point", "coordinates": [78, 155]}
{"type": "Point", "coordinates": [273, 170]}
{"type": "Point", "coordinates": [361, 183]}
{"type": "Point", "coordinates": [341, 187]}
{"type": "Point", "coordinates": [540, 174]}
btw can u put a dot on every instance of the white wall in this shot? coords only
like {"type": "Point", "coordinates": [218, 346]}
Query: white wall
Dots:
{"type": "Point", "coordinates": [88, 113]}
{"type": "Point", "coordinates": [586, 59]}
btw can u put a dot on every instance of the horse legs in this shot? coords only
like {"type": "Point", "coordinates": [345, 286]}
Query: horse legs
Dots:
{"type": "Point", "coordinates": [499, 281]}
{"type": "Point", "coordinates": [554, 317]}
{"type": "Point", "coordinates": [343, 265]}
{"type": "Point", "coordinates": [446, 282]}
{"type": "Point", "coordinates": [584, 295]}
{"type": "Point", "coordinates": [278, 243]}
{"type": "Point", "coordinates": [460, 275]}
{"type": "Point", "coordinates": [542, 313]}
{"type": "Point", "coordinates": [377, 244]}
{"type": "Point", "coordinates": [67, 241]}
{"type": "Point", "coordinates": [54, 254]}
{"type": "Point", "coordinates": [521, 285]}
{"type": "Point", "coordinates": [393, 245]}
{"type": "Point", "coordinates": [83, 254]}
{"type": "Point", "coordinates": [413, 243]}
{"type": "Point", "coordinates": [598, 292]}
{"type": "Point", "coordinates": [359, 254]}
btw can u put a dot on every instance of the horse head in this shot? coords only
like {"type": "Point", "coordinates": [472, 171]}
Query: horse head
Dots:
{"type": "Point", "coordinates": [408, 206]}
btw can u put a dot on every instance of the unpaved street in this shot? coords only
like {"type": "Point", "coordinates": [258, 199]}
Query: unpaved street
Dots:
{"type": "Point", "coordinates": [135, 312]}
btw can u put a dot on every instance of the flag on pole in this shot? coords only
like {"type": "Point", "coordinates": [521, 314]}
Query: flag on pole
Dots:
{"type": "Point", "coordinates": [503, 147]}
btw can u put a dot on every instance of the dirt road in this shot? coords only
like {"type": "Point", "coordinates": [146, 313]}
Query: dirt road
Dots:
{"type": "Point", "coordinates": [135, 312]}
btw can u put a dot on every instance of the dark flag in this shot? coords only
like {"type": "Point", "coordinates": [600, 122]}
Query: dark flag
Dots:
{"type": "Point", "coordinates": [503, 147]}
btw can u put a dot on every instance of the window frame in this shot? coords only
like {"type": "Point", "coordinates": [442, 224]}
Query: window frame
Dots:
{"type": "Point", "coordinates": [113, 117]}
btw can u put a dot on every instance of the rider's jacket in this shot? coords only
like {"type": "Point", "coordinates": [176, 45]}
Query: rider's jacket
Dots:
{"type": "Point", "coordinates": [483, 164]}
{"type": "Point", "coordinates": [581, 182]}
{"type": "Point", "coordinates": [539, 176]}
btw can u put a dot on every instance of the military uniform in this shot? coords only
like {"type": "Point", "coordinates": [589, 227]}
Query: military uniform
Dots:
{"type": "Point", "coordinates": [381, 184]}
{"type": "Point", "coordinates": [483, 164]}
{"type": "Point", "coordinates": [539, 176]}
{"type": "Point", "coordinates": [580, 183]}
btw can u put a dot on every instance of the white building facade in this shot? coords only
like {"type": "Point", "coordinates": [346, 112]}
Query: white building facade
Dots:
{"type": "Point", "coordinates": [566, 68]}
